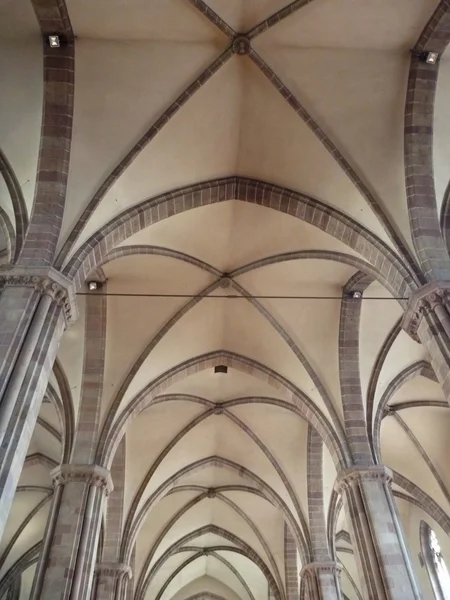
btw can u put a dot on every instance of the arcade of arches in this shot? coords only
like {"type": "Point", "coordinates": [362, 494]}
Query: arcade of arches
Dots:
{"type": "Point", "coordinates": [224, 299]}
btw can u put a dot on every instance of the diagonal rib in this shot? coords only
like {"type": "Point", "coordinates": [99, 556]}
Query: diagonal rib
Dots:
{"type": "Point", "coordinates": [213, 17]}
{"type": "Point", "coordinates": [283, 13]}
{"type": "Point", "coordinates": [336, 154]}
{"type": "Point", "coordinates": [136, 150]}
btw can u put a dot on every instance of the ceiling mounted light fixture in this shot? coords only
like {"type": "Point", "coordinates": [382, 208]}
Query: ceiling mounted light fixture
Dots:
{"type": "Point", "coordinates": [54, 41]}
{"type": "Point", "coordinates": [92, 285]}
{"type": "Point", "coordinates": [432, 58]}
{"type": "Point", "coordinates": [220, 369]}
{"type": "Point", "coordinates": [356, 295]}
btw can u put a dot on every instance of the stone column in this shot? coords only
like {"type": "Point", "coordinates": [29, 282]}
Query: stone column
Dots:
{"type": "Point", "coordinates": [322, 580]}
{"type": "Point", "coordinates": [322, 575]}
{"type": "Point", "coordinates": [35, 307]}
{"type": "Point", "coordinates": [381, 553]}
{"type": "Point", "coordinates": [112, 581]}
{"type": "Point", "coordinates": [66, 565]}
{"type": "Point", "coordinates": [427, 320]}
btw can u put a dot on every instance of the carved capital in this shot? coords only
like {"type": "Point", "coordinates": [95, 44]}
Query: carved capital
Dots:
{"type": "Point", "coordinates": [421, 302]}
{"type": "Point", "coordinates": [91, 475]}
{"type": "Point", "coordinates": [113, 570]}
{"type": "Point", "coordinates": [46, 281]}
{"type": "Point", "coordinates": [317, 568]}
{"type": "Point", "coordinates": [357, 475]}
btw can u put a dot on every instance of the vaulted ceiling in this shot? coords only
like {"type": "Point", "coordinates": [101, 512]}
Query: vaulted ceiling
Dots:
{"type": "Point", "coordinates": [216, 464]}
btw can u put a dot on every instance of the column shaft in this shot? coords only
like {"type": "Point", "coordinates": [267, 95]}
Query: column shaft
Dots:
{"type": "Point", "coordinates": [382, 557]}
{"type": "Point", "coordinates": [67, 561]}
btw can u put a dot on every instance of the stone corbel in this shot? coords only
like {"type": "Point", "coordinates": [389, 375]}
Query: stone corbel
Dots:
{"type": "Point", "coordinates": [428, 298]}
{"type": "Point", "coordinates": [46, 281]}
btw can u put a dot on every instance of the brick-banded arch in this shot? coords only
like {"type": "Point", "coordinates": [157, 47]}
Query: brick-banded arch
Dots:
{"type": "Point", "coordinates": [419, 368]}
{"type": "Point", "coordinates": [419, 169]}
{"type": "Point", "coordinates": [395, 272]}
{"type": "Point", "coordinates": [131, 532]}
{"type": "Point", "coordinates": [306, 544]}
{"type": "Point", "coordinates": [110, 438]}
{"type": "Point", "coordinates": [204, 494]}
{"type": "Point", "coordinates": [242, 548]}
{"type": "Point", "coordinates": [17, 235]}
{"type": "Point", "coordinates": [200, 553]}
{"type": "Point", "coordinates": [349, 369]}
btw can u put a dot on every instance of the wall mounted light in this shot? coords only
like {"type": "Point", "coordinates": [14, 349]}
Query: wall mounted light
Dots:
{"type": "Point", "coordinates": [54, 41]}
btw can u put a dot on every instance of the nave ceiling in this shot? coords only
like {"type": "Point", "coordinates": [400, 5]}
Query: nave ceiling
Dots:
{"type": "Point", "coordinates": [216, 465]}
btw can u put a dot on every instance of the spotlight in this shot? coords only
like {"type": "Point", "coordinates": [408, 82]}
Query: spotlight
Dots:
{"type": "Point", "coordinates": [356, 295]}
{"type": "Point", "coordinates": [53, 41]}
{"type": "Point", "coordinates": [431, 58]}
{"type": "Point", "coordinates": [93, 285]}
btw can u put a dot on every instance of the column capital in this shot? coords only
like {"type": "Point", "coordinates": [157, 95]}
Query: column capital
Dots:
{"type": "Point", "coordinates": [113, 570]}
{"type": "Point", "coordinates": [47, 281]}
{"type": "Point", "coordinates": [324, 567]}
{"type": "Point", "coordinates": [92, 475]}
{"type": "Point", "coordinates": [355, 475]}
{"type": "Point", "coordinates": [423, 300]}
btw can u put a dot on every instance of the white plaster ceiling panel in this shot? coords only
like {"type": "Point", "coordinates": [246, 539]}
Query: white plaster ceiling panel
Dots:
{"type": "Point", "coordinates": [383, 25]}
{"type": "Point", "coordinates": [143, 450]}
{"type": "Point", "coordinates": [21, 95]}
{"type": "Point", "coordinates": [18, 21]}
{"type": "Point", "coordinates": [200, 142]}
{"type": "Point", "coordinates": [267, 347]}
{"type": "Point", "coordinates": [27, 583]}
{"type": "Point", "coordinates": [243, 16]}
{"type": "Point", "coordinates": [212, 477]}
{"type": "Point", "coordinates": [36, 474]}
{"type": "Point", "coordinates": [49, 414]}
{"type": "Point", "coordinates": [193, 571]}
{"type": "Point", "coordinates": [355, 97]}
{"type": "Point", "coordinates": [30, 535]}
{"type": "Point", "coordinates": [175, 562]}
{"type": "Point", "coordinates": [206, 584]}
{"type": "Point", "coordinates": [399, 453]}
{"type": "Point", "coordinates": [7, 207]}
{"type": "Point", "coordinates": [142, 274]}
{"type": "Point", "coordinates": [123, 87]}
{"type": "Point", "coordinates": [231, 225]}
{"type": "Point", "coordinates": [419, 388]}
{"type": "Point", "coordinates": [287, 448]}
{"type": "Point", "coordinates": [277, 146]}
{"type": "Point", "coordinates": [222, 573]}
{"type": "Point", "coordinates": [441, 136]}
{"type": "Point", "coordinates": [70, 354]}
{"type": "Point", "coordinates": [45, 442]}
{"type": "Point", "coordinates": [23, 504]}
{"type": "Point", "coordinates": [199, 332]}
{"type": "Point", "coordinates": [170, 20]}
{"type": "Point", "coordinates": [209, 512]}
{"type": "Point", "coordinates": [251, 573]}
{"type": "Point", "coordinates": [431, 426]}
{"type": "Point", "coordinates": [166, 570]}
{"type": "Point", "coordinates": [349, 576]}
{"type": "Point", "coordinates": [403, 353]}
{"type": "Point", "coordinates": [378, 317]}
{"type": "Point", "coordinates": [267, 518]}
{"type": "Point", "coordinates": [313, 324]}
{"type": "Point", "coordinates": [154, 523]}
{"type": "Point", "coordinates": [219, 387]}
